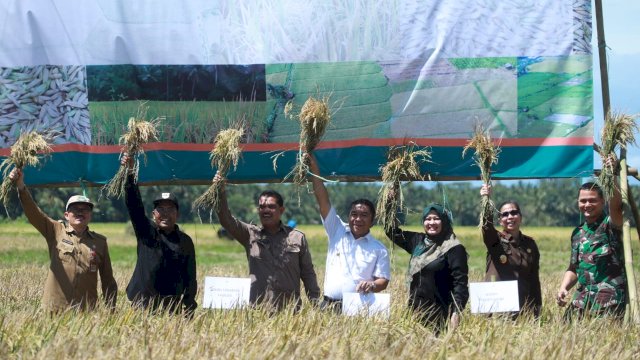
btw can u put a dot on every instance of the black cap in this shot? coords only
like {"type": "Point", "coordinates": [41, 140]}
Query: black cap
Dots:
{"type": "Point", "coordinates": [166, 196]}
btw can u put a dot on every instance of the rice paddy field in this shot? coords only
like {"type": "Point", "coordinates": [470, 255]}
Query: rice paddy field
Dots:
{"type": "Point", "coordinates": [183, 121]}
{"type": "Point", "coordinates": [26, 331]}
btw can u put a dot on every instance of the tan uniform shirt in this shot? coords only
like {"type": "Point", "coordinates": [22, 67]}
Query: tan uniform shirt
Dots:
{"type": "Point", "coordinates": [277, 262]}
{"type": "Point", "coordinates": [76, 260]}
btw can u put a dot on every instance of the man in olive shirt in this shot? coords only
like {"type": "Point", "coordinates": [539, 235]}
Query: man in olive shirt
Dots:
{"type": "Point", "coordinates": [77, 254]}
{"type": "Point", "coordinates": [278, 255]}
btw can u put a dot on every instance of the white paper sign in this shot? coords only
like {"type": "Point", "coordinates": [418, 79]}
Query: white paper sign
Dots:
{"type": "Point", "coordinates": [225, 292]}
{"type": "Point", "coordinates": [366, 304]}
{"type": "Point", "coordinates": [495, 296]}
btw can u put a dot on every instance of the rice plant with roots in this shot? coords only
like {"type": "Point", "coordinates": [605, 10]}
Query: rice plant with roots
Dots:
{"type": "Point", "coordinates": [139, 132]}
{"type": "Point", "coordinates": [314, 118]}
{"type": "Point", "coordinates": [403, 164]}
{"type": "Point", "coordinates": [226, 152]}
{"type": "Point", "coordinates": [28, 150]}
{"type": "Point", "coordinates": [485, 156]}
{"type": "Point", "coordinates": [618, 132]}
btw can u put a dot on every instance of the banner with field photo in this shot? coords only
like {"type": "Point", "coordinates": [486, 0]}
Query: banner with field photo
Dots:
{"type": "Point", "coordinates": [395, 72]}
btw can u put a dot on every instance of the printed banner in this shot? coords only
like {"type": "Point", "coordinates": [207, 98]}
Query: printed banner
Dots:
{"type": "Point", "coordinates": [394, 71]}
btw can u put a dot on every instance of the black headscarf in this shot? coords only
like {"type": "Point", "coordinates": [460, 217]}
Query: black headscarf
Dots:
{"type": "Point", "coordinates": [445, 216]}
{"type": "Point", "coordinates": [431, 248]}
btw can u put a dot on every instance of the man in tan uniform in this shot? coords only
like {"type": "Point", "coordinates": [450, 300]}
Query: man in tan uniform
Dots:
{"type": "Point", "coordinates": [279, 256]}
{"type": "Point", "coordinates": [77, 254]}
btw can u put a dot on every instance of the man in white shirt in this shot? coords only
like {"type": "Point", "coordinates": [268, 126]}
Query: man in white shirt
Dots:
{"type": "Point", "coordinates": [356, 261]}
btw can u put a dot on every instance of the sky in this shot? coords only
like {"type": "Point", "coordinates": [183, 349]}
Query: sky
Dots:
{"type": "Point", "coordinates": [622, 36]}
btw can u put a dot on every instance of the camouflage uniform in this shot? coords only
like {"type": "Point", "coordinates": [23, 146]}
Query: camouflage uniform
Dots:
{"type": "Point", "coordinates": [597, 259]}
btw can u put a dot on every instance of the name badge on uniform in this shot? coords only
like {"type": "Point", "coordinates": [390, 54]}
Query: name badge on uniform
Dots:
{"type": "Point", "coordinates": [93, 267]}
{"type": "Point", "coordinates": [66, 241]}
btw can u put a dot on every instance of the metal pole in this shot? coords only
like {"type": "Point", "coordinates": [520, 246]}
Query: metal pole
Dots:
{"type": "Point", "coordinates": [632, 306]}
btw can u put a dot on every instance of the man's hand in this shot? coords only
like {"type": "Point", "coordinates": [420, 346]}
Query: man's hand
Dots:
{"type": "Point", "coordinates": [611, 163]}
{"type": "Point", "coordinates": [454, 321]}
{"type": "Point", "coordinates": [125, 160]}
{"type": "Point", "coordinates": [366, 287]}
{"type": "Point", "coordinates": [219, 179]}
{"type": "Point", "coordinates": [561, 297]}
{"type": "Point", "coordinates": [17, 177]}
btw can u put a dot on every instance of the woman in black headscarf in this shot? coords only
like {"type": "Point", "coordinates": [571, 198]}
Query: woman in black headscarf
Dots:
{"type": "Point", "coordinates": [438, 271]}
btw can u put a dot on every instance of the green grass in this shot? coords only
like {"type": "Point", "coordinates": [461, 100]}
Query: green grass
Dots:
{"type": "Point", "coordinates": [21, 243]}
{"type": "Point", "coordinates": [186, 122]}
{"type": "Point", "coordinates": [28, 332]}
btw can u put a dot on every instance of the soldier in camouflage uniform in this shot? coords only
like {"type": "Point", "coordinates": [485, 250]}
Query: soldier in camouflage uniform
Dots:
{"type": "Point", "coordinates": [596, 264]}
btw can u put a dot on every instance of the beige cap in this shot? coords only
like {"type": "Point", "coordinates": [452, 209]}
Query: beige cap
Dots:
{"type": "Point", "coordinates": [75, 199]}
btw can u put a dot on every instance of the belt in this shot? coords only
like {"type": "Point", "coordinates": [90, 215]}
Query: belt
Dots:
{"type": "Point", "coordinates": [331, 300]}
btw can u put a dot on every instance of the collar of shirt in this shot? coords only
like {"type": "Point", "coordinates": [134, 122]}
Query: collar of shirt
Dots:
{"type": "Point", "coordinates": [594, 225]}
{"type": "Point", "coordinates": [510, 239]}
{"type": "Point", "coordinates": [71, 230]}
{"type": "Point", "coordinates": [175, 230]}
{"type": "Point", "coordinates": [280, 228]}
{"type": "Point", "coordinates": [365, 238]}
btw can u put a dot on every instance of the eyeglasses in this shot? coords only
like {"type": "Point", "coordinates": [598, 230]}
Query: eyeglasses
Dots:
{"type": "Point", "coordinates": [512, 213]}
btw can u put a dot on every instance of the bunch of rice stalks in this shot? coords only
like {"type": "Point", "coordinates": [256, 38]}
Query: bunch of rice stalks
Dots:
{"type": "Point", "coordinates": [226, 152]}
{"type": "Point", "coordinates": [314, 118]}
{"type": "Point", "coordinates": [485, 156]}
{"type": "Point", "coordinates": [139, 132]}
{"type": "Point", "coordinates": [403, 164]}
{"type": "Point", "coordinates": [618, 131]}
{"type": "Point", "coordinates": [26, 151]}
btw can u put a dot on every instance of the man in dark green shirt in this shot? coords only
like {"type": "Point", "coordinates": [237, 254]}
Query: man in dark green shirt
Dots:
{"type": "Point", "coordinates": [596, 264]}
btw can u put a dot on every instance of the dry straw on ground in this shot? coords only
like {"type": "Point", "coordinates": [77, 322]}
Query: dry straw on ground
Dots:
{"type": "Point", "coordinates": [26, 151]}
{"type": "Point", "coordinates": [485, 156]}
{"type": "Point", "coordinates": [618, 132]}
{"type": "Point", "coordinates": [139, 132]}
{"type": "Point", "coordinates": [227, 152]}
{"type": "Point", "coordinates": [28, 332]}
{"type": "Point", "coordinates": [403, 164]}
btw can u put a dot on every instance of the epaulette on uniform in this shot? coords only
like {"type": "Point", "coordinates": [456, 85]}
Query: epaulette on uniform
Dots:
{"type": "Point", "coordinates": [98, 236]}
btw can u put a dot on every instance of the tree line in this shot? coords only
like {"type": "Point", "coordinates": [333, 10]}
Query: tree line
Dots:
{"type": "Point", "coordinates": [549, 202]}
